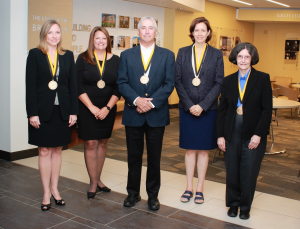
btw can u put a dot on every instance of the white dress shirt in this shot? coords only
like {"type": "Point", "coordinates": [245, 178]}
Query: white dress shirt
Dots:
{"type": "Point", "coordinates": [146, 52]}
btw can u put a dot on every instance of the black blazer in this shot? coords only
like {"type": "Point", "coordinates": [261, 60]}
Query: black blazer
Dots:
{"type": "Point", "coordinates": [257, 106]}
{"type": "Point", "coordinates": [211, 75]}
{"type": "Point", "coordinates": [39, 98]}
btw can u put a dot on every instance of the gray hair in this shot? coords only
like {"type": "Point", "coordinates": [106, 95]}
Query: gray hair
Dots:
{"type": "Point", "coordinates": [145, 18]}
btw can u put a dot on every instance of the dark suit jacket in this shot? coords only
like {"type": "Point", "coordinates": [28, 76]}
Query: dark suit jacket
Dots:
{"type": "Point", "coordinates": [39, 98]}
{"type": "Point", "coordinates": [211, 75]}
{"type": "Point", "coordinates": [160, 86]}
{"type": "Point", "coordinates": [257, 106]}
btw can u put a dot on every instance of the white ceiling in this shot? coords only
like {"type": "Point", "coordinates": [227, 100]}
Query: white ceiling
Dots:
{"type": "Point", "coordinates": [294, 4]}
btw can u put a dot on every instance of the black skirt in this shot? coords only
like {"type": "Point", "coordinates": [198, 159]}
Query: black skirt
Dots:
{"type": "Point", "coordinates": [53, 133]}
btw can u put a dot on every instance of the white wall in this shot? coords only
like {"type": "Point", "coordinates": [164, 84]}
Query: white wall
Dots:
{"type": "Point", "coordinates": [89, 12]}
{"type": "Point", "coordinates": [4, 76]}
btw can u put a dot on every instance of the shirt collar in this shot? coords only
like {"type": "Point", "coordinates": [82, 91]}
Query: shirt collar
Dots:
{"type": "Point", "coordinates": [245, 76]}
{"type": "Point", "coordinates": [145, 49]}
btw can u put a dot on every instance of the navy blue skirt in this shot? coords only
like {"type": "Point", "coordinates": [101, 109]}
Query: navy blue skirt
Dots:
{"type": "Point", "coordinates": [197, 133]}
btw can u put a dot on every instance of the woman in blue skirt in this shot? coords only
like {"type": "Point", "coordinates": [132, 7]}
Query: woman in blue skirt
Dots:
{"type": "Point", "coordinates": [199, 77]}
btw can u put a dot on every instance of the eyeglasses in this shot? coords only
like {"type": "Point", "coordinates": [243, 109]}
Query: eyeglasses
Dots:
{"type": "Point", "coordinates": [240, 57]}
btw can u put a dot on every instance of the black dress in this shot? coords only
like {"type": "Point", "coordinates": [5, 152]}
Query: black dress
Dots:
{"type": "Point", "coordinates": [90, 128]}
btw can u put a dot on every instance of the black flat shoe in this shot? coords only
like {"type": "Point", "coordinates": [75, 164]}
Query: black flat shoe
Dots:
{"type": "Point", "coordinates": [45, 207]}
{"type": "Point", "coordinates": [59, 202]}
{"type": "Point", "coordinates": [104, 189]}
{"type": "Point", "coordinates": [244, 215]}
{"type": "Point", "coordinates": [153, 204]}
{"type": "Point", "coordinates": [233, 211]}
{"type": "Point", "coordinates": [131, 200]}
{"type": "Point", "coordinates": [91, 195]}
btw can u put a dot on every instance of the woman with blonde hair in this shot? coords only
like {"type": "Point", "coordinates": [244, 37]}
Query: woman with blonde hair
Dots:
{"type": "Point", "coordinates": [97, 71]}
{"type": "Point", "coordinates": [51, 104]}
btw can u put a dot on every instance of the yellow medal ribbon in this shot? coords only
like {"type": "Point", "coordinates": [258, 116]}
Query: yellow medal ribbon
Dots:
{"type": "Point", "coordinates": [196, 57]}
{"type": "Point", "coordinates": [53, 68]}
{"type": "Point", "coordinates": [102, 65]}
{"type": "Point", "coordinates": [242, 93]}
{"type": "Point", "coordinates": [146, 66]}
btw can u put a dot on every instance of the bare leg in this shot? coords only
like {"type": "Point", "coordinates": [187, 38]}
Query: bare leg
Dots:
{"type": "Point", "coordinates": [102, 147]}
{"type": "Point", "coordinates": [91, 161]}
{"type": "Point", "coordinates": [190, 161]}
{"type": "Point", "coordinates": [55, 171]}
{"type": "Point", "coordinates": [45, 171]}
{"type": "Point", "coordinates": [202, 165]}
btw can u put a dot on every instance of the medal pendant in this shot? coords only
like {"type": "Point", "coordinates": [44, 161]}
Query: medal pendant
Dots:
{"type": "Point", "coordinates": [239, 110]}
{"type": "Point", "coordinates": [196, 82]}
{"type": "Point", "coordinates": [52, 85]}
{"type": "Point", "coordinates": [144, 79]}
{"type": "Point", "coordinates": [101, 84]}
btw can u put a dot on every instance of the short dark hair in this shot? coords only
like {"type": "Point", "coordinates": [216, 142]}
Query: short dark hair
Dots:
{"type": "Point", "coordinates": [244, 45]}
{"type": "Point", "coordinates": [197, 21]}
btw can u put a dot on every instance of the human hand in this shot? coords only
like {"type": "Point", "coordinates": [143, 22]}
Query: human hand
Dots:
{"type": "Point", "coordinates": [196, 110]}
{"type": "Point", "coordinates": [139, 110]}
{"type": "Point", "coordinates": [95, 111]}
{"type": "Point", "coordinates": [35, 121]}
{"type": "Point", "coordinates": [103, 113]}
{"type": "Point", "coordinates": [144, 104]}
{"type": "Point", "coordinates": [255, 140]}
{"type": "Point", "coordinates": [222, 143]}
{"type": "Point", "coordinates": [72, 120]}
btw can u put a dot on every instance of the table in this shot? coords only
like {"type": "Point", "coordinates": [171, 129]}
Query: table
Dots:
{"type": "Point", "coordinates": [272, 147]}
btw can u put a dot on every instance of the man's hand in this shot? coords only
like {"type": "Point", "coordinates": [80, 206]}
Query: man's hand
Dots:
{"type": "Point", "coordinates": [143, 104]}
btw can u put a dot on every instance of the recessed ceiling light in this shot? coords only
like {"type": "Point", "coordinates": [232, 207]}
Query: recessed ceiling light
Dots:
{"type": "Point", "coordinates": [165, 3]}
{"type": "Point", "coordinates": [278, 3]}
{"type": "Point", "coordinates": [181, 8]}
{"type": "Point", "coordinates": [243, 2]}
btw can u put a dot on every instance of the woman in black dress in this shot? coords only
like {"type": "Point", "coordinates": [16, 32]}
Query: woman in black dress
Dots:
{"type": "Point", "coordinates": [97, 71]}
{"type": "Point", "coordinates": [51, 104]}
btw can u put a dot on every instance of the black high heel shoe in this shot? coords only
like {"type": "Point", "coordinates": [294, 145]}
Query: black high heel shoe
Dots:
{"type": "Point", "coordinates": [59, 202]}
{"type": "Point", "coordinates": [104, 189]}
{"type": "Point", "coordinates": [91, 195]}
{"type": "Point", "coordinates": [45, 207]}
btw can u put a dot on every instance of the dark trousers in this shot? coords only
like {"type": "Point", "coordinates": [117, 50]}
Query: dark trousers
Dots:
{"type": "Point", "coordinates": [135, 148]}
{"type": "Point", "coordinates": [242, 167]}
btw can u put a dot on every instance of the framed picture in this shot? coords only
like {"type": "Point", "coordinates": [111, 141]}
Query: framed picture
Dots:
{"type": "Point", "coordinates": [292, 45]}
{"type": "Point", "coordinates": [109, 20]}
{"type": "Point", "coordinates": [124, 22]}
{"type": "Point", "coordinates": [237, 40]}
{"type": "Point", "coordinates": [135, 41]}
{"type": "Point", "coordinates": [123, 42]}
{"type": "Point", "coordinates": [226, 45]}
{"type": "Point", "coordinates": [112, 41]}
{"type": "Point", "coordinates": [136, 21]}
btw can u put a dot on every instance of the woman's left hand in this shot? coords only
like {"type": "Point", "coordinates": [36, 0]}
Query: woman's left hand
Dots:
{"type": "Point", "coordinates": [103, 113]}
{"type": "Point", "coordinates": [255, 140]}
{"type": "Point", "coordinates": [72, 120]}
{"type": "Point", "coordinates": [196, 110]}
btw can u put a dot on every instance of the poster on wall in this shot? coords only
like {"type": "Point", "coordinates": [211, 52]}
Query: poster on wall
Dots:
{"type": "Point", "coordinates": [109, 20]}
{"type": "Point", "coordinates": [291, 49]}
{"type": "Point", "coordinates": [237, 41]}
{"type": "Point", "coordinates": [124, 22]}
{"type": "Point", "coordinates": [226, 45]}
{"type": "Point", "coordinates": [135, 41]}
{"type": "Point", "coordinates": [112, 41]}
{"type": "Point", "coordinates": [136, 21]}
{"type": "Point", "coordinates": [41, 11]}
{"type": "Point", "coordinates": [123, 42]}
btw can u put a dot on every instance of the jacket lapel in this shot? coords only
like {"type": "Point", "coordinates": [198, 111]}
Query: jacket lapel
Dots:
{"type": "Point", "coordinates": [189, 61]}
{"type": "Point", "coordinates": [251, 82]}
{"type": "Point", "coordinates": [156, 59]}
{"type": "Point", "coordinates": [206, 61]}
{"type": "Point", "coordinates": [234, 88]}
{"type": "Point", "coordinates": [137, 61]}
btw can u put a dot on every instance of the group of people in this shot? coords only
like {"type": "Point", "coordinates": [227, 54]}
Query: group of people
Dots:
{"type": "Point", "coordinates": [57, 90]}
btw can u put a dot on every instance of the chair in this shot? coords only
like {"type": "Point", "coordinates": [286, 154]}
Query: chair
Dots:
{"type": "Point", "coordinates": [283, 81]}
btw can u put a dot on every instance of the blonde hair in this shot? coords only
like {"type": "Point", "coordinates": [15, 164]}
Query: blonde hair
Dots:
{"type": "Point", "coordinates": [43, 45]}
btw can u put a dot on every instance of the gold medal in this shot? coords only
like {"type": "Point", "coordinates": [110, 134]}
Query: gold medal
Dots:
{"type": "Point", "coordinates": [101, 84]}
{"type": "Point", "coordinates": [239, 110]}
{"type": "Point", "coordinates": [144, 79]}
{"type": "Point", "coordinates": [196, 82]}
{"type": "Point", "coordinates": [52, 85]}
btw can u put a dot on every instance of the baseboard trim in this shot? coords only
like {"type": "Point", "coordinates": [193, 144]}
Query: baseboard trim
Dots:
{"type": "Point", "coordinates": [21, 154]}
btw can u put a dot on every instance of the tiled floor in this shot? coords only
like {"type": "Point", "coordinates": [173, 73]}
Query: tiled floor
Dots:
{"type": "Point", "coordinates": [21, 191]}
